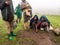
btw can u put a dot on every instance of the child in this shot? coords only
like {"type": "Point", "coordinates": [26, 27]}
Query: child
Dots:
{"type": "Point", "coordinates": [43, 23]}
{"type": "Point", "coordinates": [33, 22]}
{"type": "Point", "coordinates": [18, 13]}
{"type": "Point", "coordinates": [26, 8]}
{"type": "Point", "coordinates": [7, 11]}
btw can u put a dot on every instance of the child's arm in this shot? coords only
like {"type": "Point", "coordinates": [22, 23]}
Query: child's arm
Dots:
{"type": "Point", "coordinates": [37, 25]}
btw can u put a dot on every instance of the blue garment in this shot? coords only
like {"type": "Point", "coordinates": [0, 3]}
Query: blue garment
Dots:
{"type": "Point", "coordinates": [45, 19]}
{"type": "Point", "coordinates": [32, 20]}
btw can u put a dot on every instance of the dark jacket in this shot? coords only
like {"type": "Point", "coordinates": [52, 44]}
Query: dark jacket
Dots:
{"type": "Point", "coordinates": [32, 20]}
{"type": "Point", "coordinates": [5, 9]}
{"type": "Point", "coordinates": [2, 4]}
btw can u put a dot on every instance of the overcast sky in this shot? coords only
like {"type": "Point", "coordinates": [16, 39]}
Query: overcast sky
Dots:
{"type": "Point", "coordinates": [45, 6]}
{"type": "Point", "coordinates": [41, 3]}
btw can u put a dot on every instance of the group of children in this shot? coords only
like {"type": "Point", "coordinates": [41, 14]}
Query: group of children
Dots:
{"type": "Point", "coordinates": [7, 11]}
{"type": "Point", "coordinates": [40, 24]}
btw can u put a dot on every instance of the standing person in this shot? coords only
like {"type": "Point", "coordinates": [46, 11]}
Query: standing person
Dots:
{"type": "Point", "coordinates": [27, 13]}
{"type": "Point", "coordinates": [7, 11]}
{"type": "Point", "coordinates": [18, 13]}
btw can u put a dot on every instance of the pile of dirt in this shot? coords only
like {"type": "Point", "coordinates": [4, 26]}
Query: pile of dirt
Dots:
{"type": "Point", "coordinates": [40, 38]}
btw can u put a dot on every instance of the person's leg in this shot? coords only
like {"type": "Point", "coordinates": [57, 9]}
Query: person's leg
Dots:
{"type": "Point", "coordinates": [36, 29]}
{"type": "Point", "coordinates": [8, 27]}
{"type": "Point", "coordinates": [46, 29]}
{"type": "Point", "coordinates": [24, 16]}
{"type": "Point", "coordinates": [9, 30]}
{"type": "Point", "coordinates": [17, 20]}
{"type": "Point", "coordinates": [42, 27]}
{"type": "Point", "coordinates": [25, 21]}
{"type": "Point", "coordinates": [28, 22]}
{"type": "Point", "coordinates": [25, 25]}
{"type": "Point", "coordinates": [34, 26]}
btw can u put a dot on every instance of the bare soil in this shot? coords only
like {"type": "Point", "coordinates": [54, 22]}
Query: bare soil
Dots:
{"type": "Point", "coordinates": [40, 38]}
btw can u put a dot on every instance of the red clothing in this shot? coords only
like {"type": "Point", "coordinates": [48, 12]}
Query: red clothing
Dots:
{"type": "Point", "coordinates": [39, 23]}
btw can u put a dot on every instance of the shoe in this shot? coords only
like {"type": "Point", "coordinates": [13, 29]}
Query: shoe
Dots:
{"type": "Point", "coordinates": [13, 34]}
{"type": "Point", "coordinates": [10, 37]}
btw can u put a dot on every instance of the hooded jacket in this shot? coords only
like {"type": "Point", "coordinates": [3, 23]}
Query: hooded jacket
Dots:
{"type": "Point", "coordinates": [32, 20]}
{"type": "Point", "coordinates": [4, 9]}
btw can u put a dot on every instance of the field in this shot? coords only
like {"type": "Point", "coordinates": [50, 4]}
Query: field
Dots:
{"type": "Point", "coordinates": [55, 21]}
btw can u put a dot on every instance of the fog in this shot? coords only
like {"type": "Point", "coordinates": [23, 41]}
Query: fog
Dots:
{"type": "Point", "coordinates": [42, 6]}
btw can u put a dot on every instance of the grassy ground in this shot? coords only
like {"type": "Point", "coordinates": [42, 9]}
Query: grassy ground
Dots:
{"type": "Point", "coordinates": [55, 21]}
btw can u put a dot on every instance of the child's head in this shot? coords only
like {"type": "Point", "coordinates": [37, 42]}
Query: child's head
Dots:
{"type": "Point", "coordinates": [42, 19]}
{"type": "Point", "coordinates": [23, 0]}
{"type": "Point", "coordinates": [35, 17]}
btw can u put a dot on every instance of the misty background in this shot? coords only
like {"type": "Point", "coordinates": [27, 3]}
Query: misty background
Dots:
{"type": "Point", "coordinates": [42, 6]}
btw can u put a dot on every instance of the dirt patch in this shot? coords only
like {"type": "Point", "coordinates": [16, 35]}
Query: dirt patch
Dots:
{"type": "Point", "coordinates": [30, 37]}
{"type": "Point", "coordinates": [40, 38]}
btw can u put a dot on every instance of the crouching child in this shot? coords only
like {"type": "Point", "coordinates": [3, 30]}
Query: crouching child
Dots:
{"type": "Point", "coordinates": [43, 24]}
{"type": "Point", "coordinates": [33, 22]}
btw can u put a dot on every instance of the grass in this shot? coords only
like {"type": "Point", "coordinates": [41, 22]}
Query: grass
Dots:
{"type": "Point", "coordinates": [55, 21]}
{"type": "Point", "coordinates": [15, 41]}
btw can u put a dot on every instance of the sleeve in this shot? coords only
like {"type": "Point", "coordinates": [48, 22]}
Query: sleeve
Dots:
{"type": "Point", "coordinates": [38, 23]}
{"type": "Point", "coordinates": [3, 5]}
